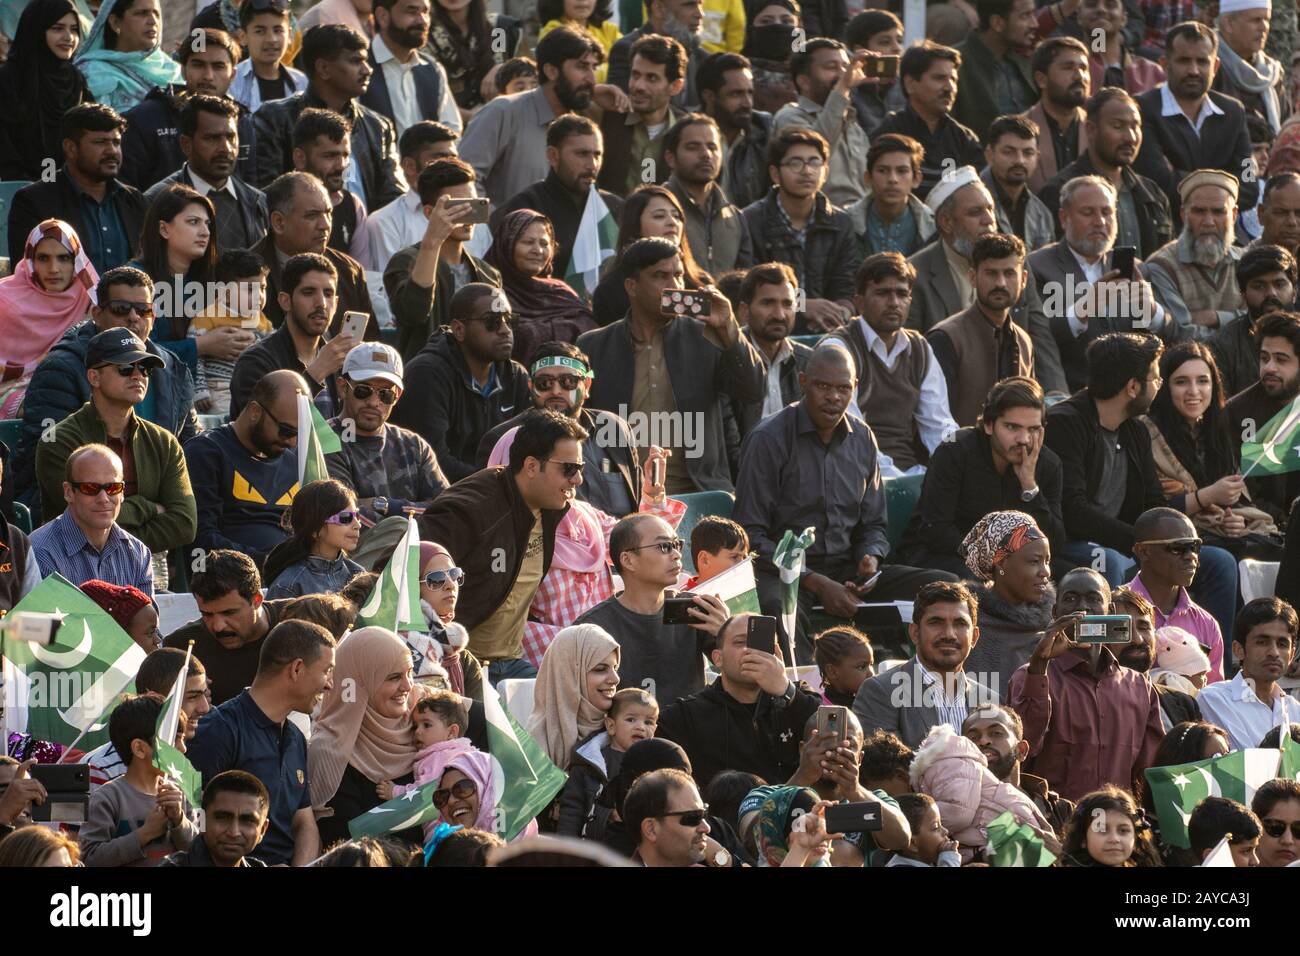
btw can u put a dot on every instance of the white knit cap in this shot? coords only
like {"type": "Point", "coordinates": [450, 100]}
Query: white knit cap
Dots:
{"type": "Point", "coordinates": [1177, 651]}
{"type": "Point", "coordinates": [1236, 6]}
{"type": "Point", "coordinates": [949, 183]}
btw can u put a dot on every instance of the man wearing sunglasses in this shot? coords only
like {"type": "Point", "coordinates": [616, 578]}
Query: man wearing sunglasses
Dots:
{"type": "Point", "coordinates": [561, 381]}
{"type": "Point", "coordinates": [1168, 552]}
{"type": "Point", "coordinates": [60, 385]}
{"type": "Point", "coordinates": [86, 543]}
{"type": "Point", "coordinates": [392, 471]}
{"type": "Point", "coordinates": [667, 817]}
{"type": "Point", "coordinates": [1252, 703]}
{"type": "Point", "coordinates": [158, 505]}
{"type": "Point", "coordinates": [468, 381]}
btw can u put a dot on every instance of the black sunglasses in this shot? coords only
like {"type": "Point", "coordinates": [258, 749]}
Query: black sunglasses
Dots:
{"type": "Point", "coordinates": [1275, 828]}
{"type": "Point", "coordinates": [461, 790]}
{"type": "Point", "coordinates": [570, 468]}
{"type": "Point", "coordinates": [286, 431]}
{"type": "Point", "coordinates": [1182, 548]}
{"type": "Point", "coordinates": [91, 488]}
{"type": "Point", "coordinates": [544, 383]}
{"type": "Point", "coordinates": [127, 371]}
{"type": "Point", "coordinates": [493, 321]}
{"type": "Point", "coordinates": [363, 393]}
{"type": "Point", "coordinates": [121, 308]}
{"type": "Point", "coordinates": [687, 818]}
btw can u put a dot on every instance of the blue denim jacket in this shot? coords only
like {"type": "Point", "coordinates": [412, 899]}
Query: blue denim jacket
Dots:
{"type": "Point", "coordinates": [313, 575]}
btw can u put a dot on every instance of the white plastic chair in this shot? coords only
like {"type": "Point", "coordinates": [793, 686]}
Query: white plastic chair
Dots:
{"type": "Point", "coordinates": [517, 694]}
{"type": "Point", "coordinates": [1258, 578]}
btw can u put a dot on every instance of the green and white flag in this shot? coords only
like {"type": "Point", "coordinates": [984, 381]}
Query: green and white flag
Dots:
{"type": "Point", "coordinates": [789, 560]}
{"type": "Point", "coordinates": [1290, 767]}
{"type": "Point", "coordinates": [1177, 790]}
{"type": "Point", "coordinates": [64, 691]}
{"type": "Point", "coordinates": [1221, 855]}
{"type": "Point", "coordinates": [1276, 448]}
{"type": "Point", "coordinates": [412, 809]}
{"type": "Point", "coordinates": [735, 586]}
{"type": "Point", "coordinates": [595, 242]}
{"type": "Point", "coordinates": [524, 780]}
{"type": "Point", "coordinates": [315, 440]}
{"type": "Point", "coordinates": [1016, 844]}
{"type": "Point", "coordinates": [394, 602]}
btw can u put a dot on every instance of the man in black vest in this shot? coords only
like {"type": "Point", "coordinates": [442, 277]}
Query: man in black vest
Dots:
{"type": "Point", "coordinates": [322, 146]}
{"type": "Point", "coordinates": [408, 84]}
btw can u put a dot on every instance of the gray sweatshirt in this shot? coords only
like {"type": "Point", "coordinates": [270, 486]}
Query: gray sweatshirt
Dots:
{"type": "Point", "coordinates": [116, 811]}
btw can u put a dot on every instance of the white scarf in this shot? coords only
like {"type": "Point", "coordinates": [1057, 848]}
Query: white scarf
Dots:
{"type": "Point", "coordinates": [1260, 78]}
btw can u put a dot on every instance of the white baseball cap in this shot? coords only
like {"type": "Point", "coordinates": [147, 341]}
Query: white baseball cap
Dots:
{"type": "Point", "coordinates": [373, 360]}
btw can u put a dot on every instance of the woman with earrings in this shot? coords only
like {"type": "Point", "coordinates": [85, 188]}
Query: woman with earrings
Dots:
{"type": "Point", "coordinates": [326, 526]}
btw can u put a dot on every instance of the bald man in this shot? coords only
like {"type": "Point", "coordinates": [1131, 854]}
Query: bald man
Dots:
{"type": "Point", "coordinates": [245, 474]}
{"type": "Point", "coordinates": [86, 543]}
{"type": "Point", "coordinates": [813, 464]}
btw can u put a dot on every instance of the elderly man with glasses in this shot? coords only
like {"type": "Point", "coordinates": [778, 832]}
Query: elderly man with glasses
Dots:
{"type": "Point", "coordinates": [155, 503]}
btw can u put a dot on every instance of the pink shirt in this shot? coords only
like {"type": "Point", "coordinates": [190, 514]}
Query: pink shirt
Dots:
{"type": "Point", "coordinates": [1194, 619]}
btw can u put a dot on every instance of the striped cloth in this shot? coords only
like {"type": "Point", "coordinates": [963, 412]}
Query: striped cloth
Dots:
{"type": "Point", "coordinates": [61, 546]}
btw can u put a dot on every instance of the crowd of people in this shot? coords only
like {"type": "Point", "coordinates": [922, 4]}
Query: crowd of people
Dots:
{"type": "Point", "coordinates": [547, 282]}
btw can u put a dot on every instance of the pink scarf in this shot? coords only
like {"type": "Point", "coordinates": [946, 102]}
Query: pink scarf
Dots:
{"type": "Point", "coordinates": [32, 319]}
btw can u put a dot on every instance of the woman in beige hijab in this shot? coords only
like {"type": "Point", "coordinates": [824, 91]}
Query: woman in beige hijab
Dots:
{"type": "Point", "coordinates": [364, 734]}
{"type": "Point", "coordinates": [574, 690]}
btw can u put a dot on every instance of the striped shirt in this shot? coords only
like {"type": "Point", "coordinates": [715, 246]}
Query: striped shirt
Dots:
{"type": "Point", "coordinates": [105, 765]}
{"type": "Point", "coordinates": [61, 546]}
{"type": "Point", "coordinates": [951, 712]}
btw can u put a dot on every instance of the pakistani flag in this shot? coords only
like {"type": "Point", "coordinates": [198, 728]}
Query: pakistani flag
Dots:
{"type": "Point", "coordinates": [412, 809]}
{"type": "Point", "coordinates": [524, 779]}
{"type": "Point", "coordinates": [1016, 844]}
{"type": "Point", "coordinates": [1276, 447]}
{"type": "Point", "coordinates": [315, 440]}
{"type": "Point", "coordinates": [595, 242]}
{"type": "Point", "coordinates": [394, 601]}
{"type": "Point", "coordinates": [65, 690]}
{"type": "Point", "coordinates": [789, 559]}
{"type": "Point", "coordinates": [735, 586]}
{"type": "Point", "coordinates": [1221, 855]}
{"type": "Point", "coordinates": [1177, 790]}
{"type": "Point", "coordinates": [1290, 768]}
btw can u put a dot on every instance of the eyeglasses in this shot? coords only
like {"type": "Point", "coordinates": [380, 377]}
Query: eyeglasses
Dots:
{"type": "Point", "coordinates": [122, 308]}
{"type": "Point", "coordinates": [127, 371]}
{"type": "Point", "coordinates": [363, 392]}
{"type": "Point", "coordinates": [495, 320]}
{"type": "Point", "coordinates": [1179, 547]}
{"type": "Point", "coordinates": [665, 547]}
{"type": "Point", "coordinates": [286, 431]}
{"type": "Point", "coordinates": [344, 518]}
{"type": "Point", "coordinates": [544, 383]}
{"type": "Point", "coordinates": [570, 468]}
{"type": "Point", "coordinates": [1277, 828]}
{"type": "Point", "coordinates": [461, 790]}
{"type": "Point", "coordinates": [91, 488]}
{"type": "Point", "coordinates": [687, 818]}
{"type": "Point", "coordinates": [439, 579]}
{"type": "Point", "coordinates": [798, 165]}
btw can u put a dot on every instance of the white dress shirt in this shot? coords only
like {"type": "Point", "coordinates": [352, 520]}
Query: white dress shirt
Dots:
{"type": "Point", "coordinates": [400, 78]}
{"type": "Point", "coordinates": [1233, 705]}
{"type": "Point", "coordinates": [772, 402]}
{"type": "Point", "coordinates": [1169, 107]}
{"type": "Point", "coordinates": [391, 229]}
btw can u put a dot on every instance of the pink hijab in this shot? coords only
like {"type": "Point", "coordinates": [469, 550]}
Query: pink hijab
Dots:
{"type": "Point", "coordinates": [481, 768]}
{"type": "Point", "coordinates": [32, 319]}
{"type": "Point", "coordinates": [580, 538]}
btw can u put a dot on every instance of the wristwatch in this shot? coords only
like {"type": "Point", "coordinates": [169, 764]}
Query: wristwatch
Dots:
{"type": "Point", "coordinates": [380, 506]}
{"type": "Point", "coordinates": [1030, 495]}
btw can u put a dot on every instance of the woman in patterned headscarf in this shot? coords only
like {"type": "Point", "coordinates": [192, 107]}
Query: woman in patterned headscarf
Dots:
{"type": "Point", "coordinates": [1008, 552]}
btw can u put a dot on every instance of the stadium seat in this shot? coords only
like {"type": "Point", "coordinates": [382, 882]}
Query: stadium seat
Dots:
{"type": "Point", "coordinates": [1258, 578]}
{"type": "Point", "coordinates": [517, 695]}
{"type": "Point", "coordinates": [698, 505]}
{"type": "Point", "coordinates": [10, 430]}
{"type": "Point", "coordinates": [808, 340]}
{"type": "Point", "coordinates": [7, 189]}
{"type": "Point", "coordinates": [901, 496]}
{"type": "Point", "coordinates": [22, 517]}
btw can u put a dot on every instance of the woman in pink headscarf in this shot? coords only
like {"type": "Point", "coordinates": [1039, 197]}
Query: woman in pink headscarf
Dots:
{"type": "Point", "coordinates": [51, 290]}
{"type": "Point", "coordinates": [468, 792]}
{"type": "Point", "coordinates": [579, 577]}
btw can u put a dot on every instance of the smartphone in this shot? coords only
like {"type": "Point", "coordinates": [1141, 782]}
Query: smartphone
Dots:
{"type": "Point", "coordinates": [833, 722]}
{"type": "Point", "coordinates": [68, 789]}
{"type": "Point", "coordinates": [1122, 259]}
{"type": "Point", "coordinates": [1103, 629]}
{"type": "Point", "coordinates": [675, 610]}
{"type": "Point", "coordinates": [884, 67]}
{"type": "Point", "coordinates": [762, 633]}
{"type": "Point", "coordinates": [684, 302]}
{"type": "Point", "coordinates": [478, 211]}
{"type": "Point", "coordinates": [853, 817]}
{"type": "Point", "coordinates": [354, 324]}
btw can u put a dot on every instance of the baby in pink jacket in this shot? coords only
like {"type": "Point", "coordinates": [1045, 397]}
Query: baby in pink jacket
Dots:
{"type": "Point", "coordinates": [440, 720]}
{"type": "Point", "coordinates": [955, 773]}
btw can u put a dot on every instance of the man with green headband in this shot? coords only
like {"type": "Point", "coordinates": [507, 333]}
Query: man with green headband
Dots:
{"type": "Point", "coordinates": [560, 379]}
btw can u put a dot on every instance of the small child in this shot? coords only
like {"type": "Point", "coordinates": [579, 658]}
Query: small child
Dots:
{"type": "Point", "coordinates": [1108, 829]}
{"type": "Point", "coordinates": [266, 31]}
{"type": "Point", "coordinates": [518, 75]}
{"type": "Point", "coordinates": [716, 544]}
{"type": "Point", "coordinates": [633, 716]}
{"type": "Point", "coordinates": [930, 844]}
{"type": "Point", "coordinates": [139, 818]}
{"type": "Point", "coordinates": [845, 659]}
{"type": "Point", "coordinates": [1217, 817]}
{"type": "Point", "coordinates": [441, 719]}
{"type": "Point", "coordinates": [241, 277]}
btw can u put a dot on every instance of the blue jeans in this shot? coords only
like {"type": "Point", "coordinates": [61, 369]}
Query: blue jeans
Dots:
{"type": "Point", "coordinates": [518, 668]}
{"type": "Point", "coordinates": [1109, 563]}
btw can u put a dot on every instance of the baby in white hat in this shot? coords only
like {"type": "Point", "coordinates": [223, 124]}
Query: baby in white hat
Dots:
{"type": "Point", "coordinates": [1180, 662]}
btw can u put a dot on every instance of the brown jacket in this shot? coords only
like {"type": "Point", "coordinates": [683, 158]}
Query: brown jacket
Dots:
{"type": "Point", "coordinates": [1047, 168]}
{"type": "Point", "coordinates": [974, 356]}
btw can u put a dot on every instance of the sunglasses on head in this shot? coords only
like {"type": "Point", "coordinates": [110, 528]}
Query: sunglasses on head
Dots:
{"type": "Point", "coordinates": [363, 392]}
{"type": "Point", "coordinates": [91, 488]}
{"type": "Point", "coordinates": [570, 468]}
{"type": "Point", "coordinates": [121, 308]}
{"type": "Point", "coordinates": [127, 371]}
{"type": "Point", "coordinates": [688, 818]}
{"type": "Point", "coordinates": [461, 790]}
{"type": "Point", "coordinates": [286, 431]}
{"type": "Point", "coordinates": [438, 579]}
{"type": "Point", "coordinates": [493, 321]}
{"type": "Point", "coordinates": [343, 517]}
{"type": "Point", "coordinates": [544, 383]}
{"type": "Point", "coordinates": [1276, 828]}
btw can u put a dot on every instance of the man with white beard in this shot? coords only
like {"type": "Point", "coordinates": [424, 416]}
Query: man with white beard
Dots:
{"type": "Point", "coordinates": [1195, 275]}
{"type": "Point", "coordinates": [1083, 297]}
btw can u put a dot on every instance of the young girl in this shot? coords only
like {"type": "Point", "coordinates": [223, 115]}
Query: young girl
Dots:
{"type": "Point", "coordinates": [845, 659]}
{"type": "Point", "coordinates": [591, 17]}
{"type": "Point", "coordinates": [440, 721]}
{"type": "Point", "coordinates": [1108, 829]}
{"type": "Point", "coordinates": [326, 525]}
